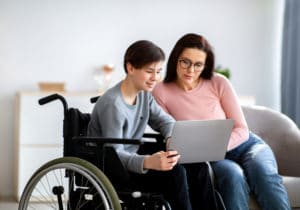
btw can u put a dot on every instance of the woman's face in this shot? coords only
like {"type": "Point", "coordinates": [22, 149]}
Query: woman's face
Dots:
{"type": "Point", "coordinates": [190, 65]}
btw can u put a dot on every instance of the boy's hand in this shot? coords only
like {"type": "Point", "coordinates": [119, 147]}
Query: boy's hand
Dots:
{"type": "Point", "coordinates": [162, 161]}
{"type": "Point", "coordinates": [168, 143]}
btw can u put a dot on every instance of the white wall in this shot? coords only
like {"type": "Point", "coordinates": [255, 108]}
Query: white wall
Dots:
{"type": "Point", "coordinates": [66, 40]}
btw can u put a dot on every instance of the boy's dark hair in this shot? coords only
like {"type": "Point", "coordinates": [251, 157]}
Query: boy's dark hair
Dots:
{"type": "Point", "coordinates": [190, 41]}
{"type": "Point", "coordinates": [141, 53]}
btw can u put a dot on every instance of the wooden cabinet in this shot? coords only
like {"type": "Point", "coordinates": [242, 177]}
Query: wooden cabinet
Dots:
{"type": "Point", "coordinates": [39, 132]}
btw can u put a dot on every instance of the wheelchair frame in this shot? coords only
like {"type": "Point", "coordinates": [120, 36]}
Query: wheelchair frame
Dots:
{"type": "Point", "coordinates": [81, 170]}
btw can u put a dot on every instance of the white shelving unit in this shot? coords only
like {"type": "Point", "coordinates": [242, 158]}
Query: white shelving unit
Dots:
{"type": "Point", "coordinates": [247, 100]}
{"type": "Point", "coordinates": [39, 131]}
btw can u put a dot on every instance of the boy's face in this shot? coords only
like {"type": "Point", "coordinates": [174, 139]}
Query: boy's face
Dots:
{"type": "Point", "coordinates": [145, 78]}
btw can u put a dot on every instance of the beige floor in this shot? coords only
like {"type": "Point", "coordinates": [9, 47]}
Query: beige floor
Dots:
{"type": "Point", "coordinates": [8, 205]}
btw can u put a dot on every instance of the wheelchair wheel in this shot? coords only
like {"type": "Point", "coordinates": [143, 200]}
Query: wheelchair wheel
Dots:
{"type": "Point", "coordinates": [69, 183]}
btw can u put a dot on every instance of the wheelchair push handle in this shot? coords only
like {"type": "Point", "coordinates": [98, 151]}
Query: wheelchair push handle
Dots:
{"type": "Point", "coordinates": [53, 97]}
{"type": "Point", "coordinates": [94, 99]}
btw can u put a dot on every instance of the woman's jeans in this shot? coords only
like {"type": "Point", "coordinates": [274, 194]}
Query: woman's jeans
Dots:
{"type": "Point", "coordinates": [251, 167]}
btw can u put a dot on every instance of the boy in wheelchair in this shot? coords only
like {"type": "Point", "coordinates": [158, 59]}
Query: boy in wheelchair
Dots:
{"type": "Point", "coordinates": [124, 112]}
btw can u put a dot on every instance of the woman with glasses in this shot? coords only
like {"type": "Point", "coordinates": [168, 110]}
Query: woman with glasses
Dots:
{"type": "Point", "coordinates": [192, 91]}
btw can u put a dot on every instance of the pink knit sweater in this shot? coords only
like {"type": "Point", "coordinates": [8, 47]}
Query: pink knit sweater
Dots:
{"type": "Point", "coordinates": [211, 99]}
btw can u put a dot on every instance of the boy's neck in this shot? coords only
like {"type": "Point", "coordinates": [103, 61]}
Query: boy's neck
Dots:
{"type": "Point", "coordinates": [129, 92]}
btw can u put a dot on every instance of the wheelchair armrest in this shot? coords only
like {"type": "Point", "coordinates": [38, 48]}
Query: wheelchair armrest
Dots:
{"type": "Point", "coordinates": [102, 140]}
{"type": "Point", "coordinates": [85, 145]}
{"type": "Point", "coordinates": [157, 136]}
{"type": "Point", "coordinates": [152, 135]}
{"type": "Point", "coordinates": [150, 147]}
{"type": "Point", "coordinates": [99, 151]}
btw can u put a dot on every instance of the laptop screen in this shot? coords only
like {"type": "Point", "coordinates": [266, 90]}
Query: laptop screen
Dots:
{"type": "Point", "coordinates": [201, 140]}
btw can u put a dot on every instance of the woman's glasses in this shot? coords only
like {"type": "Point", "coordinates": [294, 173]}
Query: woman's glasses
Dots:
{"type": "Point", "coordinates": [186, 64]}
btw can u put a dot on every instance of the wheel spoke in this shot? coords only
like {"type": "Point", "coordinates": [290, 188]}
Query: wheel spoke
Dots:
{"type": "Point", "coordinates": [58, 178]}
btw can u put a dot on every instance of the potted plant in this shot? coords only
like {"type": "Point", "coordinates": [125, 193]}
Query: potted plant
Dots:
{"type": "Point", "coordinates": [223, 71]}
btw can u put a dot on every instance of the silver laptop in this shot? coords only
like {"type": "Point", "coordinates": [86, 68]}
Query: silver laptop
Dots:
{"type": "Point", "coordinates": [201, 140]}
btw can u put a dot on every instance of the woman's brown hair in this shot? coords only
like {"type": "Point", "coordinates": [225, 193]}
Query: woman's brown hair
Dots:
{"type": "Point", "coordinates": [190, 41]}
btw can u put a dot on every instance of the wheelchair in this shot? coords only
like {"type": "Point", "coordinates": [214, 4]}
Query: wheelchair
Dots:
{"type": "Point", "coordinates": [90, 175]}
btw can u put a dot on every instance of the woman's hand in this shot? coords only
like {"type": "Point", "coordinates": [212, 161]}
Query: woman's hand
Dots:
{"type": "Point", "coordinates": [162, 161]}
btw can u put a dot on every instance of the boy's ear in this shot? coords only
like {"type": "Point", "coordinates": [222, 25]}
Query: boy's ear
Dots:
{"type": "Point", "coordinates": [129, 67]}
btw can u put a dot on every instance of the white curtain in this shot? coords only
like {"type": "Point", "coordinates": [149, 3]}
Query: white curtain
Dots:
{"type": "Point", "coordinates": [290, 84]}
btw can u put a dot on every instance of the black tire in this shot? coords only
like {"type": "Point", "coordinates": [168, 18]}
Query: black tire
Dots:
{"type": "Point", "coordinates": [81, 185]}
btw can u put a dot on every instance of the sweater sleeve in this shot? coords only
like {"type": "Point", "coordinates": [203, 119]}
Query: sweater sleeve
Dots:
{"type": "Point", "coordinates": [160, 120]}
{"type": "Point", "coordinates": [108, 121]}
{"type": "Point", "coordinates": [233, 110]}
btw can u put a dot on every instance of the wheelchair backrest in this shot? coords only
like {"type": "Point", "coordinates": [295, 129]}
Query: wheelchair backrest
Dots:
{"type": "Point", "coordinates": [75, 124]}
